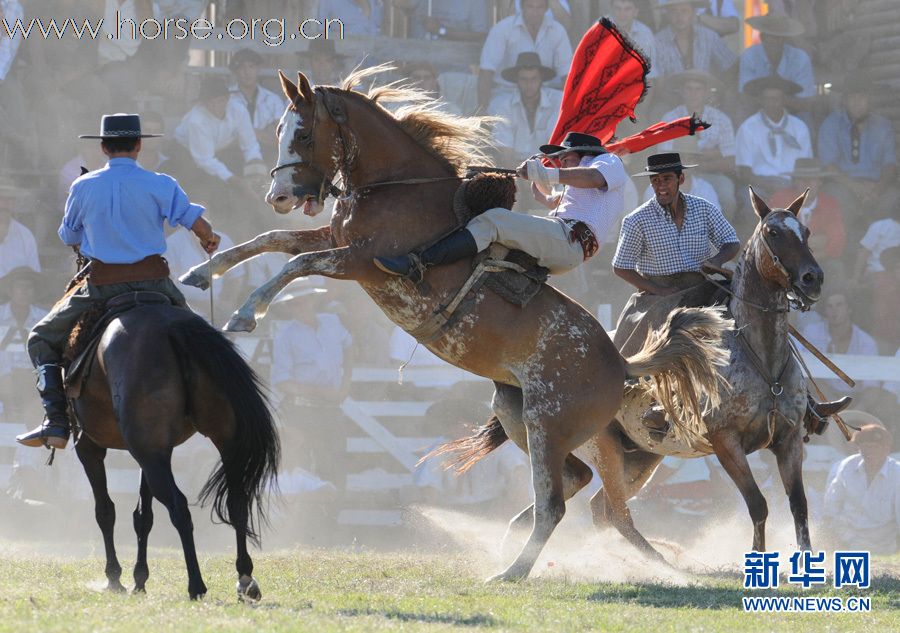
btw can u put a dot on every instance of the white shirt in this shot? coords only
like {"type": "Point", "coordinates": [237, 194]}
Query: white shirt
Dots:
{"type": "Point", "coordinates": [598, 208]}
{"type": "Point", "coordinates": [752, 146]}
{"type": "Point", "coordinates": [13, 338]}
{"type": "Point", "coordinates": [12, 11]}
{"type": "Point", "coordinates": [514, 132]}
{"type": "Point", "coordinates": [861, 344]}
{"type": "Point", "coordinates": [310, 355]}
{"type": "Point", "coordinates": [204, 134]}
{"type": "Point", "coordinates": [510, 36]}
{"type": "Point", "coordinates": [866, 516]}
{"type": "Point", "coordinates": [880, 236]}
{"type": "Point", "coordinates": [18, 248]}
{"type": "Point", "coordinates": [269, 106]}
{"type": "Point", "coordinates": [183, 252]}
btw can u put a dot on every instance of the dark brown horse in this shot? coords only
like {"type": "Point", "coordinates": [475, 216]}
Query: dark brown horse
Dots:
{"type": "Point", "coordinates": [558, 376]}
{"type": "Point", "coordinates": [159, 375]}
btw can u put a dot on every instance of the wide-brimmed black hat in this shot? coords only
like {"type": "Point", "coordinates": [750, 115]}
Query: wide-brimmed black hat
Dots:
{"type": "Point", "coordinates": [756, 86]}
{"type": "Point", "coordinates": [575, 142]}
{"type": "Point", "coordinates": [528, 60]}
{"type": "Point", "coordinates": [120, 125]}
{"type": "Point", "coordinates": [245, 56]}
{"type": "Point", "coordinates": [662, 163]}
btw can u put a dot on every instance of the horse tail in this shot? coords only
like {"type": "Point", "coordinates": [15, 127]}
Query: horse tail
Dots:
{"type": "Point", "coordinates": [467, 451]}
{"type": "Point", "coordinates": [249, 462]}
{"type": "Point", "coordinates": [682, 357]}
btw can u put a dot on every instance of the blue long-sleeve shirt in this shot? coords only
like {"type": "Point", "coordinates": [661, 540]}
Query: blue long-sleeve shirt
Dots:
{"type": "Point", "coordinates": [116, 213]}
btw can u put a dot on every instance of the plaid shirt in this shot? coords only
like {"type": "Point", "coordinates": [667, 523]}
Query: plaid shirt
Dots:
{"type": "Point", "coordinates": [651, 243]}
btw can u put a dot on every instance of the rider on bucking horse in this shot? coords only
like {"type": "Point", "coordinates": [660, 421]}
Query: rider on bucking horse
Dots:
{"type": "Point", "coordinates": [115, 217]}
{"type": "Point", "coordinates": [664, 248]}
{"type": "Point", "coordinates": [568, 236]}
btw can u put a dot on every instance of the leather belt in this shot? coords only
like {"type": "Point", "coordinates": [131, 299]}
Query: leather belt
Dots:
{"type": "Point", "coordinates": [149, 268]}
{"type": "Point", "coordinates": [582, 233]}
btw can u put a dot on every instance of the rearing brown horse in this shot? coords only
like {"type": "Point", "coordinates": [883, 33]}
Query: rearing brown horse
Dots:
{"type": "Point", "coordinates": [558, 377]}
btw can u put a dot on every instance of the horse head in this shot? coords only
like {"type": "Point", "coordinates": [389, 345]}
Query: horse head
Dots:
{"type": "Point", "coordinates": [780, 250]}
{"type": "Point", "coordinates": [310, 152]}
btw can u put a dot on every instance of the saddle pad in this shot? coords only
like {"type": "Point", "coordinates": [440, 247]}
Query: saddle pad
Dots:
{"type": "Point", "coordinates": [512, 286]}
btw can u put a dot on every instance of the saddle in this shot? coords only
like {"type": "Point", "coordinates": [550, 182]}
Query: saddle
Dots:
{"type": "Point", "coordinates": [82, 345]}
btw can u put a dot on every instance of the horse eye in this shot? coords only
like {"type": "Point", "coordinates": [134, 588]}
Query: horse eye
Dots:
{"type": "Point", "coordinates": [773, 232]}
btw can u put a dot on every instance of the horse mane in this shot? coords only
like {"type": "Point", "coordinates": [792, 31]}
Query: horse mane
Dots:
{"type": "Point", "coordinates": [457, 141]}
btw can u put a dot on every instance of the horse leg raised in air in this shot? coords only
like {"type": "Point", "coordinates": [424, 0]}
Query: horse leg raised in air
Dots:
{"type": "Point", "coordinates": [559, 378]}
{"type": "Point", "coordinates": [159, 375]}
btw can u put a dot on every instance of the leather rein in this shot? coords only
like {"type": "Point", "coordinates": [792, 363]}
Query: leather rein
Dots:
{"type": "Point", "coordinates": [349, 154]}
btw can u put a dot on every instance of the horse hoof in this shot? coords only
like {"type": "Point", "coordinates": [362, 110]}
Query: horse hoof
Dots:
{"type": "Point", "coordinates": [509, 575]}
{"type": "Point", "coordinates": [239, 323]}
{"type": "Point", "coordinates": [198, 595]}
{"type": "Point", "coordinates": [116, 587]}
{"type": "Point", "coordinates": [139, 590]}
{"type": "Point", "coordinates": [196, 277]}
{"type": "Point", "coordinates": [248, 589]}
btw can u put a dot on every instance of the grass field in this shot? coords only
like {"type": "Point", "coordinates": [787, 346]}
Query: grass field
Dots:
{"type": "Point", "coordinates": [365, 591]}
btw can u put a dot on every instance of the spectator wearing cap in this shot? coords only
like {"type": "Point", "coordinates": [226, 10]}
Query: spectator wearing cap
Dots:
{"type": "Point", "coordinates": [264, 106]}
{"type": "Point", "coordinates": [529, 115]}
{"type": "Point", "coordinates": [358, 17]}
{"type": "Point", "coordinates": [323, 64]}
{"type": "Point", "coordinates": [424, 76]}
{"type": "Point", "coordinates": [207, 132]}
{"type": "Point", "coordinates": [821, 213]}
{"type": "Point", "coordinates": [774, 56]}
{"type": "Point", "coordinates": [528, 31]}
{"type": "Point", "coordinates": [462, 20]}
{"type": "Point", "coordinates": [769, 142]}
{"type": "Point", "coordinates": [862, 501]}
{"type": "Point", "coordinates": [17, 244]}
{"type": "Point", "coordinates": [715, 145]}
{"type": "Point", "coordinates": [624, 14]}
{"type": "Point", "coordinates": [684, 43]}
{"type": "Point", "coordinates": [858, 146]}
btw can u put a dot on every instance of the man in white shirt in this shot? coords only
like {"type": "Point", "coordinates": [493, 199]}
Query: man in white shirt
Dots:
{"type": "Point", "coordinates": [205, 134]}
{"type": "Point", "coordinates": [17, 244]}
{"type": "Point", "coordinates": [264, 106]}
{"type": "Point", "coordinates": [768, 143]}
{"type": "Point", "coordinates": [530, 30]}
{"type": "Point", "coordinates": [529, 115]}
{"type": "Point", "coordinates": [862, 501]}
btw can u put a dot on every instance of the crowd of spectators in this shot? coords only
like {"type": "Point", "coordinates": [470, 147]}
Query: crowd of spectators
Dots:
{"type": "Point", "coordinates": [787, 113]}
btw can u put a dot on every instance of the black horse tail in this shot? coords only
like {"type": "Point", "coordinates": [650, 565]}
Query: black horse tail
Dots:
{"type": "Point", "coordinates": [467, 451]}
{"type": "Point", "coordinates": [249, 462]}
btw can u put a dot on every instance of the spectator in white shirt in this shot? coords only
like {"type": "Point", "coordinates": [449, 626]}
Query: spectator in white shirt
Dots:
{"type": "Point", "coordinates": [206, 133]}
{"type": "Point", "coordinates": [264, 106]}
{"type": "Point", "coordinates": [862, 501]}
{"type": "Point", "coordinates": [17, 244]}
{"type": "Point", "coordinates": [530, 30]}
{"type": "Point", "coordinates": [768, 143]}
{"type": "Point", "coordinates": [880, 236]}
{"type": "Point", "coordinates": [529, 115]}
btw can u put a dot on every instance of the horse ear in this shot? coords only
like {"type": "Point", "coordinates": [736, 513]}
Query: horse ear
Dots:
{"type": "Point", "coordinates": [759, 205]}
{"type": "Point", "coordinates": [306, 91]}
{"type": "Point", "coordinates": [797, 204]}
{"type": "Point", "coordinates": [288, 87]}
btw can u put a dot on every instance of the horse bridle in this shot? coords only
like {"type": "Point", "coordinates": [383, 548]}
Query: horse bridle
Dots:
{"type": "Point", "coordinates": [338, 113]}
{"type": "Point", "coordinates": [801, 301]}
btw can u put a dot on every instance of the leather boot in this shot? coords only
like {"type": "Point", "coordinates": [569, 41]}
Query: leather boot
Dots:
{"type": "Point", "coordinates": [456, 246]}
{"type": "Point", "coordinates": [654, 420]}
{"type": "Point", "coordinates": [54, 430]}
{"type": "Point", "coordinates": [815, 421]}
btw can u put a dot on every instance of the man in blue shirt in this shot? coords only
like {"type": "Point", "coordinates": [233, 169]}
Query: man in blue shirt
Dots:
{"type": "Point", "coordinates": [115, 217]}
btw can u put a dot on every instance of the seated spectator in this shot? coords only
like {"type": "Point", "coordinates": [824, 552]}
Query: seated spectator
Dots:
{"type": "Point", "coordinates": [821, 213]}
{"type": "Point", "coordinates": [17, 244]}
{"type": "Point", "coordinates": [322, 64]}
{"type": "Point", "coordinates": [528, 31]}
{"type": "Point", "coordinates": [768, 143]}
{"type": "Point", "coordinates": [879, 237]}
{"type": "Point", "coordinates": [264, 106]}
{"type": "Point", "coordinates": [205, 138]}
{"type": "Point", "coordinates": [424, 76]}
{"type": "Point", "coordinates": [18, 314]}
{"type": "Point", "coordinates": [719, 15]}
{"type": "Point", "coordinates": [858, 146]}
{"type": "Point", "coordinates": [624, 14]}
{"type": "Point", "coordinates": [359, 17]}
{"type": "Point", "coordinates": [462, 20]}
{"type": "Point", "coordinates": [529, 115]}
{"type": "Point", "coordinates": [774, 56]}
{"type": "Point", "coordinates": [560, 10]}
{"type": "Point", "coordinates": [862, 501]}
{"type": "Point", "coordinates": [685, 43]}
{"type": "Point", "coordinates": [715, 145]}
{"type": "Point", "coordinates": [839, 334]}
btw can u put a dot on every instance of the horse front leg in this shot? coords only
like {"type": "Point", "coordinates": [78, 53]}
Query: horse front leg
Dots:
{"type": "Point", "coordinates": [338, 263]}
{"type": "Point", "coordinates": [734, 460]}
{"type": "Point", "coordinates": [789, 454]}
{"type": "Point", "coordinates": [293, 242]}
